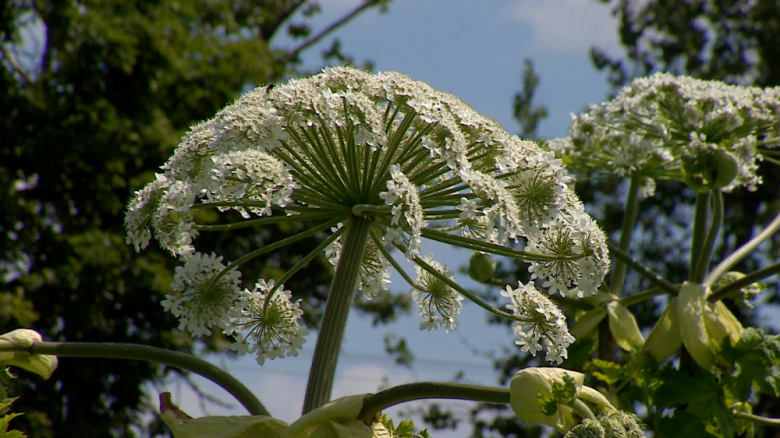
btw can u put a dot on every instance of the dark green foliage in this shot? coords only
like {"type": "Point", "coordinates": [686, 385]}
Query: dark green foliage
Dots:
{"type": "Point", "coordinates": [729, 40]}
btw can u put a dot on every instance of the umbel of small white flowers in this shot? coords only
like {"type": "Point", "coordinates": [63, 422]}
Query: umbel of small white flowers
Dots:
{"type": "Point", "coordinates": [346, 147]}
{"type": "Point", "coordinates": [709, 134]}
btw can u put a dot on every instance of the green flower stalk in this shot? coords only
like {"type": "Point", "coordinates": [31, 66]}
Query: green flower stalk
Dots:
{"type": "Point", "coordinates": [381, 161]}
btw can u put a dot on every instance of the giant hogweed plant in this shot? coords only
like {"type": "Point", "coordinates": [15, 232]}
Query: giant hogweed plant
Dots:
{"type": "Point", "coordinates": [378, 162]}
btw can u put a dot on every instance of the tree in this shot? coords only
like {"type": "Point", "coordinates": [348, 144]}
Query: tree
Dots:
{"type": "Point", "coordinates": [94, 97]}
{"type": "Point", "coordinates": [732, 41]}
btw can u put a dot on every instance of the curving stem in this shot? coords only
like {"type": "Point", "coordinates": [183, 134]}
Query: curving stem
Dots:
{"type": "Point", "coordinates": [150, 354]}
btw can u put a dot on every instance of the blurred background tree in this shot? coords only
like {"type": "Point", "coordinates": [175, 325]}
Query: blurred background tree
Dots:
{"type": "Point", "coordinates": [93, 98]}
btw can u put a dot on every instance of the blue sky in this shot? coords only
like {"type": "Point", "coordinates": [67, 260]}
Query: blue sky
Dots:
{"type": "Point", "coordinates": [474, 49]}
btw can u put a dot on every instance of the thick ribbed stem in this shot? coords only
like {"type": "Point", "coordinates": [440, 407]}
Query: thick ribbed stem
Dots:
{"type": "Point", "coordinates": [326, 353]}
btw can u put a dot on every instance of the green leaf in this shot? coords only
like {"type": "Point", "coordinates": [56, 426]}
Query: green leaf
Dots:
{"type": "Point", "coordinates": [5, 419]}
{"type": "Point", "coordinates": [610, 372]}
{"type": "Point", "coordinates": [755, 357]}
{"type": "Point", "coordinates": [699, 394]}
{"type": "Point", "coordinates": [548, 404]}
{"type": "Point", "coordinates": [682, 423]}
{"type": "Point", "coordinates": [566, 390]}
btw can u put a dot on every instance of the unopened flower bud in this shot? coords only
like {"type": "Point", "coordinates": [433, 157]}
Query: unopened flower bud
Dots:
{"type": "Point", "coordinates": [708, 167]}
{"type": "Point", "coordinates": [665, 338]}
{"type": "Point", "coordinates": [481, 266]}
{"type": "Point", "coordinates": [587, 322]}
{"type": "Point", "coordinates": [337, 419]}
{"type": "Point", "coordinates": [529, 385]}
{"type": "Point", "coordinates": [184, 426]}
{"type": "Point", "coordinates": [41, 364]}
{"type": "Point", "coordinates": [623, 326]}
{"type": "Point", "coordinates": [704, 325]}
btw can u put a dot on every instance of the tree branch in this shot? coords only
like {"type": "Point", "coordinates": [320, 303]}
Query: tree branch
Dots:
{"type": "Point", "coordinates": [333, 26]}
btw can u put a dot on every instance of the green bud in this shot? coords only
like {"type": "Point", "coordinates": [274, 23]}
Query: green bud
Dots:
{"type": "Point", "coordinates": [481, 266]}
{"type": "Point", "coordinates": [184, 426]}
{"type": "Point", "coordinates": [704, 325]}
{"type": "Point", "coordinates": [665, 338]}
{"type": "Point", "coordinates": [743, 296]}
{"type": "Point", "coordinates": [690, 311]}
{"type": "Point", "coordinates": [588, 429]}
{"type": "Point", "coordinates": [726, 170]}
{"type": "Point", "coordinates": [41, 364]}
{"type": "Point", "coordinates": [623, 326]}
{"type": "Point", "coordinates": [708, 167]}
{"type": "Point", "coordinates": [337, 419]}
{"type": "Point", "coordinates": [529, 386]}
{"type": "Point", "coordinates": [587, 322]}
{"type": "Point", "coordinates": [720, 323]}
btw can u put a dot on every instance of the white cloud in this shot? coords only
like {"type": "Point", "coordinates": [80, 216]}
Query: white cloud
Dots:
{"type": "Point", "coordinates": [567, 26]}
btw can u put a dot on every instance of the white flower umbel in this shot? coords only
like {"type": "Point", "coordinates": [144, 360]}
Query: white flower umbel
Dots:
{"type": "Point", "coordinates": [270, 323]}
{"type": "Point", "coordinates": [347, 143]}
{"type": "Point", "coordinates": [379, 159]}
{"type": "Point", "coordinates": [206, 296]}
{"type": "Point", "coordinates": [577, 276]}
{"type": "Point", "coordinates": [439, 303]}
{"type": "Point", "coordinates": [648, 128]}
{"type": "Point", "coordinates": [541, 325]}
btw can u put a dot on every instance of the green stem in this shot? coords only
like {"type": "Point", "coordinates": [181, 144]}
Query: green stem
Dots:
{"type": "Point", "coordinates": [742, 252]}
{"type": "Point", "coordinates": [479, 245]}
{"type": "Point", "coordinates": [150, 354]}
{"type": "Point", "coordinates": [757, 419]}
{"type": "Point", "coordinates": [378, 242]}
{"type": "Point", "coordinates": [709, 243]}
{"type": "Point", "coordinates": [258, 252]}
{"type": "Point", "coordinates": [629, 221]}
{"type": "Point", "coordinates": [642, 296]}
{"type": "Point", "coordinates": [699, 230]}
{"type": "Point", "coordinates": [421, 390]}
{"type": "Point", "coordinates": [428, 268]}
{"type": "Point", "coordinates": [267, 220]}
{"type": "Point", "coordinates": [334, 320]}
{"type": "Point", "coordinates": [581, 408]}
{"type": "Point", "coordinates": [749, 279]}
{"type": "Point", "coordinates": [640, 269]}
{"type": "Point", "coordinates": [363, 209]}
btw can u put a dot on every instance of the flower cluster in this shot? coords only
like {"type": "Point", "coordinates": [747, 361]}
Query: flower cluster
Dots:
{"type": "Point", "coordinates": [347, 146]}
{"type": "Point", "coordinates": [206, 294]}
{"type": "Point", "coordinates": [651, 126]}
{"type": "Point", "coordinates": [543, 326]}
{"type": "Point", "coordinates": [439, 303]}
{"type": "Point", "coordinates": [271, 320]}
